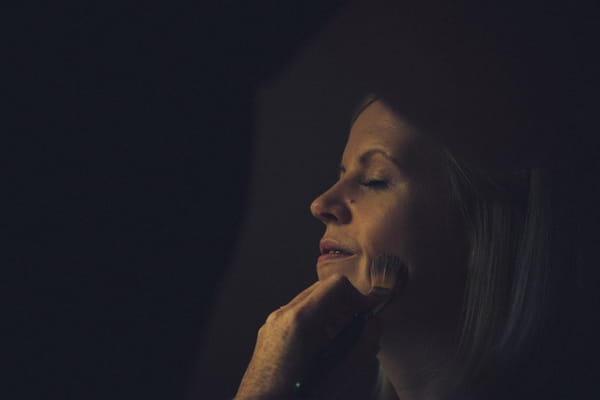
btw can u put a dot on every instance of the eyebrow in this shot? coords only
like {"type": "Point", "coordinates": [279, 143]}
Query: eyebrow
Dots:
{"type": "Point", "coordinates": [364, 158]}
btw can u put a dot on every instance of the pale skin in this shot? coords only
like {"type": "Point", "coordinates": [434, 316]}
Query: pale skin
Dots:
{"type": "Point", "coordinates": [392, 197]}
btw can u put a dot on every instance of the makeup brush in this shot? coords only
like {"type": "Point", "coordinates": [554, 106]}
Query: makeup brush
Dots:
{"type": "Point", "coordinates": [388, 276]}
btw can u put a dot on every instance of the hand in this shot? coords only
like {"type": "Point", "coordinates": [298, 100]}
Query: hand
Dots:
{"type": "Point", "coordinates": [293, 335]}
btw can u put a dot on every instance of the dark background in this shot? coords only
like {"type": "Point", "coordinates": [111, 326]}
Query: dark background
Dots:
{"type": "Point", "coordinates": [159, 161]}
{"type": "Point", "coordinates": [128, 135]}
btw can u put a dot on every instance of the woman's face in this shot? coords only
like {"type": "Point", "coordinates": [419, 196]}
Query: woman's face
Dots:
{"type": "Point", "coordinates": [393, 197]}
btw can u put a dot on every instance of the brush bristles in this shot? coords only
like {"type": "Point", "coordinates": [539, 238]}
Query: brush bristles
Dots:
{"type": "Point", "coordinates": [386, 272]}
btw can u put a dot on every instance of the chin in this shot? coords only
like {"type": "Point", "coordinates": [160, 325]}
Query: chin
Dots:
{"type": "Point", "coordinates": [351, 268]}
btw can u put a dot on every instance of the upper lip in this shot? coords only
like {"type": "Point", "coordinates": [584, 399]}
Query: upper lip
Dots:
{"type": "Point", "coordinates": [326, 245]}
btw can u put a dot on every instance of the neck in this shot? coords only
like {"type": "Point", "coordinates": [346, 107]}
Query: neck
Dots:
{"type": "Point", "coordinates": [415, 363]}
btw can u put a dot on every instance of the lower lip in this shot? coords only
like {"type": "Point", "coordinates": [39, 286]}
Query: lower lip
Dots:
{"type": "Point", "coordinates": [331, 257]}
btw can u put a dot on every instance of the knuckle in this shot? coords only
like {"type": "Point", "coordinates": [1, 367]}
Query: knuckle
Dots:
{"type": "Point", "coordinates": [299, 317]}
{"type": "Point", "coordinates": [261, 330]}
{"type": "Point", "coordinates": [273, 317]}
{"type": "Point", "coordinates": [339, 280]}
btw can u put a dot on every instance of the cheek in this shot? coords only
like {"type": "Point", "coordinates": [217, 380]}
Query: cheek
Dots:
{"type": "Point", "coordinates": [432, 250]}
{"type": "Point", "coordinates": [438, 266]}
{"type": "Point", "coordinates": [388, 231]}
{"type": "Point", "coordinates": [384, 233]}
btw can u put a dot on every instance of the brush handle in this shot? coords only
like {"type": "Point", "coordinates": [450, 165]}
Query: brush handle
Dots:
{"type": "Point", "coordinates": [331, 356]}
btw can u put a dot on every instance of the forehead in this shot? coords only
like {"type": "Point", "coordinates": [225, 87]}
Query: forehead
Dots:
{"type": "Point", "coordinates": [378, 127]}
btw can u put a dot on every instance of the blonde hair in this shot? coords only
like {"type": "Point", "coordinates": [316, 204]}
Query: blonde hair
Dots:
{"type": "Point", "coordinates": [510, 280]}
{"type": "Point", "coordinates": [521, 261]}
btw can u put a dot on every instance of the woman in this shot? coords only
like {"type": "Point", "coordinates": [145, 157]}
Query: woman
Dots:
{"type": "Point", "coordinates": [485, 271]}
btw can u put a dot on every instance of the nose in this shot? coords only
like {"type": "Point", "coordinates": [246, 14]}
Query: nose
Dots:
{"type": "Point", "coordinates": [331, 207]}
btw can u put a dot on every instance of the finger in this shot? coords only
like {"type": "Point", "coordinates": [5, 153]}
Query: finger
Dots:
{"type": "Point", "coordinates": [301, 296]}
{"type": "Point", "coordinates": [319, 317]}
{"type": "Point", "coordinates": [332, 304]}
{"type": "Point", "coordinates": [283, 309]}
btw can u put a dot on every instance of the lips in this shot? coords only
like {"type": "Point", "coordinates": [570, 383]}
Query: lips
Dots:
{"type": "Point", "coordinates": [334, 250]}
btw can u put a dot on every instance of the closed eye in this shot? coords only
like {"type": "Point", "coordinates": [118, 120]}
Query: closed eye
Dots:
{"type": "Point", "coordinates": [375, 184]}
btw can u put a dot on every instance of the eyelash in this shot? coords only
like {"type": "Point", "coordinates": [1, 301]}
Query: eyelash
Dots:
{"type": "Point", "coordinates": [375, 184]}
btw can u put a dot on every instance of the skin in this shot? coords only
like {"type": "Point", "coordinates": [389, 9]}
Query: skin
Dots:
{"type": "Point", "coordinates": [293, 335]}
{"type": "Point", "coordinates": [392, 197]}
{"type": "Point", "coordinates": [400, 203]}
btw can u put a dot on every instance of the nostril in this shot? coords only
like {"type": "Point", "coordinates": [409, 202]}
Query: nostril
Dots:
{"type": "Point", "coordinates": [327, 217]}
